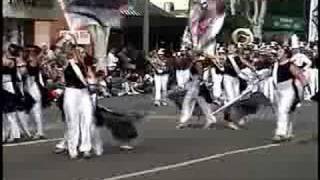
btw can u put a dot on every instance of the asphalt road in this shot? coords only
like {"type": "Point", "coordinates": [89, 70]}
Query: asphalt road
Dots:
{"type": "Point", "coordinates": [164, 153]}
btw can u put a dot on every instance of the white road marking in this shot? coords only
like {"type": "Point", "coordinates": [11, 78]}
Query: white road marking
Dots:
{"type": "Point", "coordinates": [162, 117]}
{"type": "Point", "coordinates": [32, 142]}
{"type": "Point", "coordinates": [190, 162]}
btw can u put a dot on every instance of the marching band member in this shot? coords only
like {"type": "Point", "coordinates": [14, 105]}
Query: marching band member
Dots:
{"type": "Point", "coordinates": [263, 63]}
{"type": "Point", "coordinates": [33, 83]}
{"type": "Point", "coordinates": [231, 85]}
{"type": "Point", "coordinates": [314, 76]}
{"type": "Point", "coordinates": [285, 96]}
{"type": "Point", "coordinates": [194, 96]}
{"type": "Point", "coordinates": [22, 76]}
{"type": "Point", "coordinates": [161, 77]}
{"type": "Point", "coordinates": [10, 129]}
{"type": "Point", "coordinates": [182, 65]}
{"type": "Point", "coordinates": [217, 74]}
{"type": "Point", "coordinates": [304, 63]}
{"type": "Point", "coordinates": [78, 111]}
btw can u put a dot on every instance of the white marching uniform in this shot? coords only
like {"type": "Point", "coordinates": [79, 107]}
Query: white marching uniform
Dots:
{"type": "Point", "coordinates": [231, 86]}
{"type": "Point", "coordinates": [161, 83]}
{"type": "Point", "coordinates": [267, 85]}
{"type": "Point", "coordinates": [304, 63]}
{"type": "Point", "coordinates": [191, 98]}
{"type": "Point", "coordinates": [285, 97]}
{"type": "Point", "coordinates": [231, 81]}
{"type": "Point", "coordinates": [313, 81]}
{"type": "Point", "coordinates": [216, 80]}
{"type": "Point", "coordinates": [23, 117]}
{"type": "Point", "coordinates": [78, 111]}
{"type": "Point", "coordinates": [36, 111]}
{"type": "Point", "coordinates": [96, 138]}
{"type": "Point", "coordinates": [183, 76]}
{"type": "Point", "coordinates": [161, 78]}
{"type": "Point", "coordinates": [10, 126]}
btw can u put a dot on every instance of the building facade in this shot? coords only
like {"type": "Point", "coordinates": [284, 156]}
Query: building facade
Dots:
{"type": "Point", "coordinates": [30, 21]}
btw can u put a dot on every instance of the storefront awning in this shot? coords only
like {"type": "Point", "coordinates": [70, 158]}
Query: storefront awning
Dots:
{"type": "Point", "coordinates": [45, 10]}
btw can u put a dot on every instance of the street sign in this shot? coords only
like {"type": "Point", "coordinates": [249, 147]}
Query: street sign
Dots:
{"type": "Point", "coordinates": [285, 23]}
{"type": "Point", "coordinates": [82, 36]}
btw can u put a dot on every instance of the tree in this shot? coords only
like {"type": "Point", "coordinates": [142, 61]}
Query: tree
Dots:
{"type": "Point", "coordinates": [253, 10]}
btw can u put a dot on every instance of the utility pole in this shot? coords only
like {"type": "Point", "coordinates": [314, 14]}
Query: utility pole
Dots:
{"type": "Point", "coordinates": [190, 2]}
{"type": "Point", "coordinates": [146, 27]}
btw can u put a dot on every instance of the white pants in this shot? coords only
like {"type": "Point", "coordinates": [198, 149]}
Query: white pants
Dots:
{"type": "Point", "coordinates": [97, 142]}
{"type": "Point", "coordinates": [266, 86]}
{"type": "Point", "coordinates": [10, 126]}
{"type": "Point", "coordinates": [78, 110]}
{"type": "Point", "coordinates": [183, 76]}
{"type": "Point", "coordinates": [23, 117]}
{"type": "Point", "coordinates": [231, 87]}
{"type": "Point", "coordinates": [285, 97]}
{"type": "Point", "coordinates": [161, 83]}
{"type": "Point", "coordinates": [191, 98]}
{"type": "Point", "coordinates": [313, 85]}
{"type": "Point", "coordinates": [216, 80]}
{"type": "Point", "coordinates": [36, 111]}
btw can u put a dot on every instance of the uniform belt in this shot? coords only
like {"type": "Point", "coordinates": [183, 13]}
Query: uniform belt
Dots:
{"type": "Point", "coordinates": [76, 87]}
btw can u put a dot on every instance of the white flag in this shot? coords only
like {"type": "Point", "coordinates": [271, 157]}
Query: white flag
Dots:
{"type": "Point", "coordinates": [313, 21]}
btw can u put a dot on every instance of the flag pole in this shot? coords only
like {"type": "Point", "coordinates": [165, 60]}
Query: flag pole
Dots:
{"type": "Point", "coordinates": [146, 27]}
{"type": "Point", "coordinates": [66, 16]}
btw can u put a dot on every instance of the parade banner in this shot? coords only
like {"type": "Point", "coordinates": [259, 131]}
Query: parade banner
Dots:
{"type": "Point", "coordinates": [313, 21]}
{"type": "Point", "coordinates": [81, 13]}
{"type": "Point", "coordinates": [206, 19]}
{"type": "Point", "coordinates": [96, 16]}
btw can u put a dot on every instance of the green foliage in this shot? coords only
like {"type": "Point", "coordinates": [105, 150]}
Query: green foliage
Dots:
{"type": "Point", "coordinates": [238, 21]}
{"type": "Point", "coordinates": [232, 23]}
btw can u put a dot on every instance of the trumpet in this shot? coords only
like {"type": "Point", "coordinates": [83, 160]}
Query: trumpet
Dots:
{"type": "Point", "coordinates": [216, 61]}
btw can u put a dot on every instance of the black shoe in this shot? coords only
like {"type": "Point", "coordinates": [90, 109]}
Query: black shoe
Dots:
{"type": "Point", "coordinates": [182, 126]}
{"type": "Point", "coordinates": [26, 138]}
{"type": "Point", "coordinates": [157, 103]}
{"type": "Point", "coordinates": [86, 155]}
{"type": "Point", "coordinates": [74, 157]}
{"type": "Point", "coordinates": [59, 150]}
{"type": "Point", "coordinates": [39, 137]}
{"type": "Point", "coordinates": [15, 140]}
{"type": "Point", "coordinates": [280, 139]}
{"type": "Point", "coordinates": [209, 125]}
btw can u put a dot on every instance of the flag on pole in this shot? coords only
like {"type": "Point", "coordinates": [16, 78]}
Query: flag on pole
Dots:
{"type": "Point", "coordinates": [313, 21]}
{"type": "Point", "coordinates": [106, 13]}
{"type": "Point", "coordinates": [205, 22]}
{"type": "Point", "coordinates": [97, 17]}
